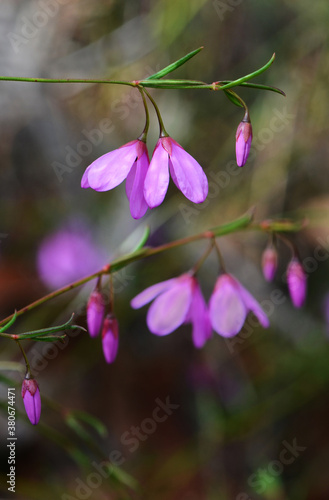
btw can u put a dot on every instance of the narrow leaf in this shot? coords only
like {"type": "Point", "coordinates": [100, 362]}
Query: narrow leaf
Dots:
{"type": "Point", "coordinates": [10, 322]}
{"type": "Point", "coordinates": [232, 98]}
{"type": "Point", "coordinates": [94, 422]}
{"type": "Point", "coordinates": [143, 240]}
{"type": "Point", "coordinates": [174, 65]}
{"type": "Point", "coordinates": [243, 79]}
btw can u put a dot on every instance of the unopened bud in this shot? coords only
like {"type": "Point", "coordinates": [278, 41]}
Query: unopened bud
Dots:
{"type": "Point", "coordinates": [296, 279]}
{"type": "Point", "coordinates": [31, 400]}
{"type": "Point", "coordinates": [269, 263]}
{"type": "Point", "coordinates": [95, 312]}
{"type": "Point", "coordinates": [110, 338]}
{"type": "Point", "coordinates": [243, 141]}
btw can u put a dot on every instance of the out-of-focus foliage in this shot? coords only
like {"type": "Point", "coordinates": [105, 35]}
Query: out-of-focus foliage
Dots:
{"type": "Point", "coordinates": [242, 402]}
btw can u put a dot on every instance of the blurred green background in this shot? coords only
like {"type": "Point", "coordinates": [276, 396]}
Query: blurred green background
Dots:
{"type": "Point", "coordinates": [241, 403]}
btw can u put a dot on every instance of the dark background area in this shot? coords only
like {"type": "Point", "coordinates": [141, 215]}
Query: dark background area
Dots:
{"type": "Point", "coordinates": [242, 402]}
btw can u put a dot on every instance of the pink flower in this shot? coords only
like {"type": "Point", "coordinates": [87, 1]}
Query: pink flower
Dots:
{"type": "Point", "coordinates": [296, 279]}
{"type": "Point", "coordinates": [243, 142]}
{"type": "Point", "coordinates": [129, 162]}
{"type": "Point", "coordinates": [229, 306]}
{"type": "Point", "coordinates": [269, 263]}
{"type": "Point", "coordinates": [177, 301]}
{"type": "Point", "coordinates": [95, 312]}
{"type": "Point", "coordinates": [110, 338]}
{"type": "Point", "coordinates": [185, 171]}
{"type": "Point", "coordinates": [31, 400]}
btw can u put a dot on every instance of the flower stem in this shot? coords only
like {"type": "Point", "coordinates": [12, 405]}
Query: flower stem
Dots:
{"type": "Point", "coordinates": [242, 223]}
{"type": "Point", "coordinates": [163, 132]}
{"type": "Point", "coordinates": [28, 369]}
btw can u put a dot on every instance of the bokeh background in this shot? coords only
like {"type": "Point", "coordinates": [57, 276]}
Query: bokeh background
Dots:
{"type": "Point", "coordinates": [242, 403]}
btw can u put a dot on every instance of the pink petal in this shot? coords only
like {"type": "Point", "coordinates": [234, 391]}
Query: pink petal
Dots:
{"type": "Point", "coordinates": [198, 315]}
{"type": "Point", "coordinates": [150, 293]}
{"type": "Point", "coordinates": [135, 185]}
{"type": "Point", "coordinates": [188, 174]}
{"type": "Point", "coordinates": [169, 310]}
{"type": "Point", "coordinates": [254, 306]}
{"type": "Point", "coordinates": [297, 283]}
{"type": "Point", "coordinates": [84, 180]}
{"type": "Point", "coordinates": [111, 169]}
{"type": "Point", "coordinates": [226, 307]}
{"type": "Point", "coordinates": [157, 177]}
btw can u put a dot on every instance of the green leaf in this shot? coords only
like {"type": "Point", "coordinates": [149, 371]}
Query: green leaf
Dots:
{"type": "Point", "coordinates": [48, 331]}
{"type": "Point", "coordinates": [240, 223]}
{"type": "Point", "coordinates": [243, 79]}
{"type": "Point", "coordinates": [233, 98]}
{"type": "Point", "coordinates": [10, 322]}
{"type": "Point", "coordinates": [258, 86]}
{"type": "Point", "coordinates": [174, 65]}
{"type": "Point", "coordinates": [94, 422]}
{"type": "Point", "coordinates": [143, 240]}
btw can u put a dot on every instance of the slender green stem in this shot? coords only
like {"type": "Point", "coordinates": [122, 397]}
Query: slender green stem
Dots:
{"type": "Point", "coordinates": [163, 132]}
{"type": "Point", "coordinates": [143, 136]}
{"type": "Point", "coordinates": [28, 369]}
{"type": "Point", "coordinates": [65, 80]}
{"type": "Point", "coordinates": [202, 259]}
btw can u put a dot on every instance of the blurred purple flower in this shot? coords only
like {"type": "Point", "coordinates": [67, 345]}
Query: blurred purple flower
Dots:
{"type": "Point", "coordinates": [229, 306]}
{"type": "Point", "coordinates": [129, 162]}
{"type": "Point", "coordinates": [177, 301]}
{"type": "Point", "coordinates": [269, 263]}
{"type": "Point", "coordinates": [243, 141]}
{"type": "Point", "coordinates": [297, 282]}
{"type": "Point", "coordinates": [95, 312]}
{"type": "Point", "coordinates": [187, 174]}
{"type": "Point", "coordinates": [110, 338]}
{"type": "Point", "coordinates": [31, 400]}
{"type": "Point", "coordinates": [68, 255]}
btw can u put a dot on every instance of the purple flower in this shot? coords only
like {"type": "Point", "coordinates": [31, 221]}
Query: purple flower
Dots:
{"type": "Point", "coordinates": [129, 162]}
{"type": "Point", "coordinates": [68, 255]}
{"type": "Point", "coordinates": [177, 301]}
{"type": "Point", "coordinates": [187, 174]}
{"type": "Point", "coordinates": [95, 312]}
{"type": "Point", "coordinates": [229, 306]}
{"type": "Point", "coordinates": [110, 338]}
{"type": "Point", "coordinates": [243, 141]}
{"type": "Point", "coordinates": [269, 263]}
{"type": "Point", "coordinates": [296, 279]}
{"type": "Point", "coordinates": [31, 400]}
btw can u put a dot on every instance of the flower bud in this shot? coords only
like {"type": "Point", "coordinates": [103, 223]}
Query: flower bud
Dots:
{"type": "Point", "coordinates": [95, 312]}
{"type": "Point", "coordinates": [269, 263]}
{"type": "Point", "coordinates": [110, 338]}
{"type": "Point", "coordinates": [243, 141]}
{"type": "Point", "coordinates": [296, 279]}
{"type": "Point", "coordinates": [31, 400]}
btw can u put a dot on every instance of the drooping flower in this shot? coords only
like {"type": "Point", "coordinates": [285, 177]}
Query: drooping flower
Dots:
{"type": "Point", "coordinates": [95, 312]}
{"type": "Point", "coordinates": [229, 306]}
{"type": "Point", "coordinates": [129, 162]}
{"type": "Point", "coordinates": [269, 262]}
{"type": "Point", "coordinates": [243, 141]}
{"type": "Point", "coordinates": [110, 338]}
{"type": "Point", "coordinates": [31, 400]}
{"type": "Point", "coordinates": [187, 174]}
{"type": "Point", "coordinates": [177, 301]}
{"type": "Point", "coordinates": [297, 282]}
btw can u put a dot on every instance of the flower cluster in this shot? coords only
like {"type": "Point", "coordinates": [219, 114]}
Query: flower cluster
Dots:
{"type": "Point", "coordinates": [147, 182]}
{"type": "Point", "coordinates": [179, 300]}
{"type": "Point", "coordinates": [97, 322]}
